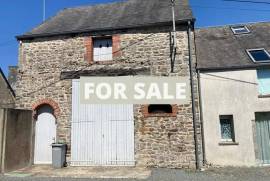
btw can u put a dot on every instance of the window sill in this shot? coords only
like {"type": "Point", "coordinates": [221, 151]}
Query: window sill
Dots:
{"type": "Point", "coordinates": [227, 143]}
{"type": "Point", "coordinates": [264, 96]}
{"type": "Point", "coordinates": [160, 115]}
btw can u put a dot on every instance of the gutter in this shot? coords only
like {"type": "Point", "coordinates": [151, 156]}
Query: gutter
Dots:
{"type": "Point", "coordinates": [197, 159]}
{"type": "Point", "coordinates": [204, 161]}
{"type": "Point", "coordinates": [228, 68]}
{"type": "Point", "coordinates": [42, 35]}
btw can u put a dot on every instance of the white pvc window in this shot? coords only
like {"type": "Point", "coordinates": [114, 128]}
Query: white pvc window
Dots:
{"type": "Point", "coordinates": [102, 49]}
{"type": "Point", "coordinates": [259, 55]}
{"type": "Point", "coordinates": [237, 30]}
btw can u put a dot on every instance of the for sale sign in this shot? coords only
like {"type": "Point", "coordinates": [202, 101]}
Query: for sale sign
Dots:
{"type": "Point", "coordinates": [134, 90]}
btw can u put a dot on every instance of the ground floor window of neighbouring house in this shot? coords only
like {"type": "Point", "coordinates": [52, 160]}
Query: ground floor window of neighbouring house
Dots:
{"type": "Point", "coordinates": [227, 128]}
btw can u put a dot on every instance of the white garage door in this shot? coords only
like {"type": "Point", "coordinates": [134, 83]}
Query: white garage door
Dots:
{"type": "Point", "coordinates": [101, 135]}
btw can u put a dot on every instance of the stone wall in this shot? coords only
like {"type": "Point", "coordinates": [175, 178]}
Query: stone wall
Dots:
{"type": "Point", "coordinates": [160, 141]}
{"type": "Point", "coordinates": [6, 97]}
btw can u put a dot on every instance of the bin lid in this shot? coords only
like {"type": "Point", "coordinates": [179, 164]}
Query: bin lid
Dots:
{"type": "Point", "coordinates": [58, 145]}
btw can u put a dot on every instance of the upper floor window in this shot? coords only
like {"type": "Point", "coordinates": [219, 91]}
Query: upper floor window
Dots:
{"type": "Point", "coordinates": [264, 81]}
{"type": "Point", "coordinates": [259, 55]}
{"type": "Point", "coordinates": [240, 30]}
{"type": "Point", "coordinates": [227, 128]}
{"type": "Point", "coordinates": [102, 49]}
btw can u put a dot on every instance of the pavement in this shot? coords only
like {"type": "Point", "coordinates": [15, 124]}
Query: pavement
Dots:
{"type": "Point", "coordinates": [83, 172]}
{"type": "Point", "coordinates": [213, 174]}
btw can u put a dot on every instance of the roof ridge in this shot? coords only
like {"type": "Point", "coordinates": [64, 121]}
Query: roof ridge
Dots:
{"type": "Point", "coordinates": [110, 16]}
{"type": "Point", "coordinates": [76, 8]}
{"type": "Point", "coordinates": [96, 4]}
{"type": "Point", "coordinates": [229, 25]}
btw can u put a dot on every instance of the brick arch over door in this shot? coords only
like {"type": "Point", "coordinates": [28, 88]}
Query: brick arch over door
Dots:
{"type": "Point", "coordinates": [47, 101]}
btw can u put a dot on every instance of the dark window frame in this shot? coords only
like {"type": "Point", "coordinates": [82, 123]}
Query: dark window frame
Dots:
{"type": "Point", "coordinates": [231, 118]}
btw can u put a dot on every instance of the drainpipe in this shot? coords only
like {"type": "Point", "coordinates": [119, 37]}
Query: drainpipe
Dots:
{"type": "Point", "coordinates": [193, 97]}
{"type": "Point", "coordinates": [3, 140]}
{"type": "Point", "coordinates": [201, 117]}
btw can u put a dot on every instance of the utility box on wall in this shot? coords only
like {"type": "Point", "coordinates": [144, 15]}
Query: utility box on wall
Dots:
{"type": "Point", "coordinates": [15, 139]}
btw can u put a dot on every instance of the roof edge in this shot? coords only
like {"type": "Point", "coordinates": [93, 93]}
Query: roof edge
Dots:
{"type": "Point", "coordinates": [8, 84]}
{"type": "Point", "coordinates": [26, 37]}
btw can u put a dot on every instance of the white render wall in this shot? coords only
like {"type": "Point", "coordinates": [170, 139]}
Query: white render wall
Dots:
{"type": "Point", "coordinates": [231, 93]}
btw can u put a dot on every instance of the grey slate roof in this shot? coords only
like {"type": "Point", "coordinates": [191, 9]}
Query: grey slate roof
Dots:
{"type": "Point", "coordinates": [219, 48]}
{"type": "Point", "coordinates": [118, 15]}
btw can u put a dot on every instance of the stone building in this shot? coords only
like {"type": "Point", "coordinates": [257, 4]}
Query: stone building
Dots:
{"type": "Point", "coordinates": [135, 38]}
{"type": "Point", "coordinates": [7, 95]}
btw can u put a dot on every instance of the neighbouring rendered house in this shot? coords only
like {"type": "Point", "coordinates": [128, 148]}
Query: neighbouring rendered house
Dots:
{"type": "Point", "coordinates": [234, 76]}
{"type": "Point", "coordinates": [123, 38]}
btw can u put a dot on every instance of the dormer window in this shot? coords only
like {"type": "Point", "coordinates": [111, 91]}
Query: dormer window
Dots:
{"type": "Point", "coordinates": [259, 55]}
{"type": "Point", "coordinates": [237, 30]}
{"type": "Point", "coordinates": [102, 49]}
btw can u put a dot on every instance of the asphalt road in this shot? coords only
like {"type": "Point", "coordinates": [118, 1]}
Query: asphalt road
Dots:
{"type": "Point", "coordinates": [225, 174]}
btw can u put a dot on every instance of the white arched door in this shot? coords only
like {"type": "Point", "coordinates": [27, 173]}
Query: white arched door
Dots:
{"type": "Point", "coordinates": [45, 134]}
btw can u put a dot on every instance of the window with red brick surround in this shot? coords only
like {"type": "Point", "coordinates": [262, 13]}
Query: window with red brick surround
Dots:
{"type": "Point", "coordinates": [159, 110]}
{"type": "Point", "coordinates": [89, 45]}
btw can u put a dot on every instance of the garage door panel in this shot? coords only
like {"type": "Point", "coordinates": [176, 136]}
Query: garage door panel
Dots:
{"type": "Point", "coordinates": [123, 150]}
{"type": "Point", "coordinates": [82, 130]}
{"type": "Point", "coordinates": [102, 135]}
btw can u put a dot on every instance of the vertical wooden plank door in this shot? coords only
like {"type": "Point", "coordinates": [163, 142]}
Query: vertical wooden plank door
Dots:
{"type": "Point", "coordinates": [101, 135]}
{"type": "Point", "coordinates": [45, 134]}
{"type": "Point", "coordinates": [263, 136]}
